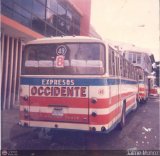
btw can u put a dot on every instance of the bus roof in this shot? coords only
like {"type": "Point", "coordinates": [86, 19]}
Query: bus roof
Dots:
{"type": "Point", "coordinates": [65, 39]}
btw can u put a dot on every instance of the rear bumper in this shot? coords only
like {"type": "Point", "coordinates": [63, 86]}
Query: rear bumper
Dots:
{"type": "Point", "coordinates": [71, 126]}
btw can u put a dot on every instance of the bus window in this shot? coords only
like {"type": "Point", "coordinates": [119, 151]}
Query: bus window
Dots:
{"type": "Point", "coordinates": [121, 66]}
{"type": "Point", "coordinates": [113, 63]}
{"type": "Point", "coordinates": [139, 58]}
{"type": "Point", "coordinates": [110, 61]}
{"type": "Point", "coordinates": [63, 59]}
{"type": "Point", "coordinates": [130, 57]}
{"type": "Point", "coordinates": [118, 66]}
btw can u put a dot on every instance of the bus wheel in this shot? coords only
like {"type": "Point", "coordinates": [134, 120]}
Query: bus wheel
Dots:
{"type": "Point", "coordinates": [123, 118]}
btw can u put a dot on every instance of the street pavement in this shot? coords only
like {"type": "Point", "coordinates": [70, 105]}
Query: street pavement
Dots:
{"type": "Point", "coordinates": [140, 133]}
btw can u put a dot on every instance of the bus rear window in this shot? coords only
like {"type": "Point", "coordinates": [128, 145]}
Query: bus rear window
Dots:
{"type": "Point", "coordinates": [64, 59]}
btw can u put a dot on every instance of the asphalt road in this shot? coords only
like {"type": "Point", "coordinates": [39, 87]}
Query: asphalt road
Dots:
{"type": "Point", "coordinates": [141, 133]}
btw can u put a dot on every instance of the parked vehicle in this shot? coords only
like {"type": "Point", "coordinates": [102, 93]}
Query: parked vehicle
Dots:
{"type": "Point", "coordinates": [76, 83]}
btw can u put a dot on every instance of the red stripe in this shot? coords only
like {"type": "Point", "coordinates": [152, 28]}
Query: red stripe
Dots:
{"type": "Point", "coordinates": [73, 102]}
{"type": "Point", "coordinates": [98, 120]}
{"type": "Point", "coordinates": [141, 95]}
{"type": "Point", "coordinates": [82, 118]}
{"type": "Point", "coordinates": [141, 89]}
{"type": "Point", "coordinates": [130, 102]}
{"type": "Point", "coordinates": [69, 102]}
{"type": "Point", "coordinates": [104, 119]}
{"type": "Point", "coordinates": [153, 91]}
{"type": "Point", "coordinates": [126, 95]}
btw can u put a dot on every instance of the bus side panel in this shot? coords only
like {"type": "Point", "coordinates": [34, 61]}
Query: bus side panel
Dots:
{"type": "Point", "coordinates": [107, 107]}
{"type": "Point", "coordinates": [129, 90]}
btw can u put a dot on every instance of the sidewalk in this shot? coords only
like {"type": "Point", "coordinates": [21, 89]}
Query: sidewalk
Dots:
{"type": "Point", "coordinates": [11, 129]}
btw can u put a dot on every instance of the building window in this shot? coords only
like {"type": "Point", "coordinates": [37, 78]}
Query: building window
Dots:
{"type": "Point", "coordinates": [27, 4]}
{"type": "Point", "coordinates": [22, 15]}
{"type": "Point", "coordinates": [42, 1]}
{"type": "Point", "coordinates": [43, 15]}
{"type": "Point", "coordinates": [38, 9]}
{"type": "Point", "coordinates": [38, 25]}
{"type": "Point", "coordinates": [50, 31]}
{"type": "Point", "coordinates": [53, 5]}
{"type": "Point", "coordinates": [7, 8]}
{"type": "Point", "coordinates": [69, 24]}
{"type": "Point", "coordinates": [51, 17]}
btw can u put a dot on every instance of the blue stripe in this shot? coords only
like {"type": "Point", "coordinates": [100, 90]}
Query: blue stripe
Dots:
{"type": "Point", "coordinates": [77, 81]}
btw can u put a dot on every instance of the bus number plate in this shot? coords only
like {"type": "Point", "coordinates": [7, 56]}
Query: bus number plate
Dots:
{"type": "Point", "coordinates": [57, 111]}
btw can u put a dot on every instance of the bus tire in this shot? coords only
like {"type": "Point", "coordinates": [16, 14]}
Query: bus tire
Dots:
{"type": "Point", "coordinates": [123, 118]}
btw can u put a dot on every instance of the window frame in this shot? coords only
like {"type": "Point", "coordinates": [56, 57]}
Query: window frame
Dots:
{"type": "Point", "coordinates": [104, 60]}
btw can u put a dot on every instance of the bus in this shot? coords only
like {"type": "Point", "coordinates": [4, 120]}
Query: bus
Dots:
{"type": "Point", "coordinates": [143, 85]}
{"type": "Point", "coordinates": [152, 86]}
{"type": "Point", "coordinates": [76, 83]}
{"type": "Point", "coordinates": [140, 58]}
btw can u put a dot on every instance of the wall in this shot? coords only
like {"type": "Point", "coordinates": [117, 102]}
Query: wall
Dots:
{"type": "Point", "coordinates": [84, 7]}
{"type": "Point", "coordinates": [11, 51]}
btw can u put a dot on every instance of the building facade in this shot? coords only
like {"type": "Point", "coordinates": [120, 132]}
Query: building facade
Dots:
{"type": "Point", "coordinates": [25, 20]}
{"type": "Point", "coordinates": [141, 59]}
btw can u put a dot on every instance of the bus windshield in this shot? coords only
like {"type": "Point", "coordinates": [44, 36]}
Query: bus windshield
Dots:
{"type": "Point", "coordinates": [64, 59]}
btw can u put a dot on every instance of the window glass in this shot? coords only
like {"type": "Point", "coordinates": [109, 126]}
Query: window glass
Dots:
{"type": "Point", "coordinates": [76, 30]}
{"type": "Point", "coordinates": [116, 59]}
{"type": "Point", "coordinates": [8, 3]}
{"type": "Point", "coordinates": [139, 58]}
{"type": "Point", "coordinates": [62, 59]}
{"type": "Point", "coordinates": [25, 3]}
{"type": "Point", "coordinates": [126, 69]}
{"type": "Point", "coordinates": [130, 57]}
{"type": "Point", "coordinates": [134, 57]}
{"type": "Point", "coordinates": [53, 5]}
{"type": "Point", "coordinates": [7, 8]}
{"type": "Point", "coordinates": [61, 11]}
{"type": "Point", "coordinates": [38, 9]}
{"type": "Point", "coordinates": [50, 31]}
{"type": "Point", "coordinates": [76, 19]}
{"type": "Point", "coordinates": [69, 24]}
{"type": "Point", "coordinates": [61, 21]}
{"type": "Point", "coordinates": [69, 15]}
{"type": "Point", "coordinates": [113, 63]}
{"type": "Point", "coordinates": [61, 24]}
{"type": "Point", "coordinates": [42, 1]}
{"type": "Point", "coordinates": [110, 64]}
{"type": "Point", "coordinates": [118, 64]}
{"type": "Point", "coordinates": [38, 25]}
{"type": "Point", "coordinates": [22, 15]}
{"type": "Point", "coordinates": [51, 17]}
{"type": "Point", "coordinates": [69, 28]}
